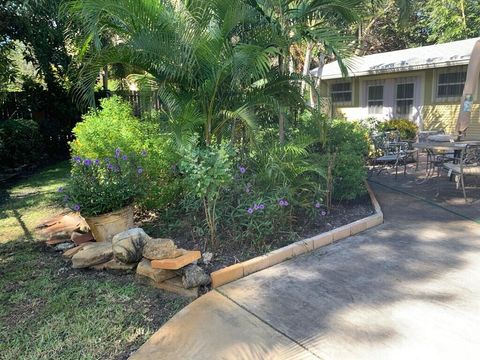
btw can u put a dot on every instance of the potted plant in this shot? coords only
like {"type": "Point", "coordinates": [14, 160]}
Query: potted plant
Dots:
{"type": "Point", "coordinates": [103, 191]}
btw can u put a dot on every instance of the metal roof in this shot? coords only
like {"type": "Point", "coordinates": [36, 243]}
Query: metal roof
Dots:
{"type": "Point", "coordinates": [432, 56]}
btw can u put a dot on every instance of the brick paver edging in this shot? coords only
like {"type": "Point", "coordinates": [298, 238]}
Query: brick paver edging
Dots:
{"type": "Point", "coordinates": [239, 270]}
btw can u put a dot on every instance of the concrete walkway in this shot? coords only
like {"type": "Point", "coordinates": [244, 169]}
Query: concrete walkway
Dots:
{"type": "Point", "coordinates": [408, 289]}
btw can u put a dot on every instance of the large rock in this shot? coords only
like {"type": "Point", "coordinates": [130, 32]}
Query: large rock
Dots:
{"type": "Point", "coordinates": [93, 254]}
{"type": "Point", "coordinates": [193, 276]}
{"type": "Point", "coordinates": [157, 275]}
{"type": "Point", "coordinates": [157, 249]}
{"type": "Point", "coordinates": [128, 245]}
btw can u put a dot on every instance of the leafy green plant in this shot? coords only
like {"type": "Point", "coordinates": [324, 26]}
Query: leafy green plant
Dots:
{"type": "Point", "coordinates": [207, 170]}
{"type": "Point", "coordinates": [115, 126]}
{"type": "Point", "coordinates": [349, 141]}
{"type": "Point", "coordinates": [100, 186]}
{"type": "Point", "coordinates": [20, 142]}
{"type": "Point", "coordinates": [407, 128]}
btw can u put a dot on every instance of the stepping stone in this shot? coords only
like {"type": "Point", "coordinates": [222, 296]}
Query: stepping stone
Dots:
{"type": "Point", "coordinates": [177, 263]}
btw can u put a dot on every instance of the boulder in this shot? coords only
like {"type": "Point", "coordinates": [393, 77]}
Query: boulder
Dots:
{"type": "Point", "coordinates": [157, 249]}
{"type": "Point", "coordinates": [92, 254]}
{"type": "Point", "coordinates": [207, 258]}
{"type": "Point", "coordinates": [144, 268]}
{"type": "Point", "coordinates": [193, 276]}
{"type": "Point", "coordinates": [128, 245]}
{"type": "Point", "coordinates": [79, 238]}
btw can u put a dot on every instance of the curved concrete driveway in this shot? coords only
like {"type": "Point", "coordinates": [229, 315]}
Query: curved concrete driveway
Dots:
{"type": "Point", "coordinates": [408, 289]}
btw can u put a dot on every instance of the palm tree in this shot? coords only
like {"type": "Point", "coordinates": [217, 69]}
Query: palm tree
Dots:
{"type": "Point", "coordinates": [314, 21]}
{"type": "Point", "coordinates": [197, 54]}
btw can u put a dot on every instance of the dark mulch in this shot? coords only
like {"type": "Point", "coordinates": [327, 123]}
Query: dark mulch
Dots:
{"type": "Point", "coordinates": [230, 251]}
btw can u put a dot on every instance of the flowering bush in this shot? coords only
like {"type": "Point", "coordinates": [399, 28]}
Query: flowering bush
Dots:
{"type": "Point", "coordinates": [100, 186]}
{"type": "Point", "coordinates": [115, 126]}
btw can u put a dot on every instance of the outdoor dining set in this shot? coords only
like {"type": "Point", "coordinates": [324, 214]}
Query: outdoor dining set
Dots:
{"type": "Point", "coordinates": [444, 154]}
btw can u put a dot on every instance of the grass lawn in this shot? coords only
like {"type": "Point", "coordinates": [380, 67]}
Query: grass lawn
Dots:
{"type": "Point", "coordinates": [47, 309]}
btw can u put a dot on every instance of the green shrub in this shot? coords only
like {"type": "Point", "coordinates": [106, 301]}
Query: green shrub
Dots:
{"type": "Point", "coordinates": [408, 129]}
{"type": "Point", "coordinates": [20, 142]}
{"type": "Point", "coordinates": [207, 170]}
{"type": "Point", "coordinates": [349, 140]}
{"type": "Point", "coordinates": [101, 186]}
{"type": "Point", "coordinates": [114, 126]}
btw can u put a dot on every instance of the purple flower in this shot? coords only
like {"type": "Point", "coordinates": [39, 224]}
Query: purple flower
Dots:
{"type": "Point", "coordinates": [97, 161]}
{"type": "Point", "coordinates": [117, 152]}
{"type": "Point", "coordinates": [65, 198]}
{"type": "Point", "coordinates": [110, 167]}
{"type": "Point", "coordinates": [318, 205]}
{"type": "Point", "coordinates": [124, 157]}
{"type": "Point", "coordinates": [242, 169]}
{"type": "Point", "coordinates": [250, 210]}
{"type": "Point", "coordinates": [283, 202]}
{"type": "Point", "coordinates": [139, 170]}
{"type": "Point", "coordinates": [77, 159]}
{"type": "Point", "coordinates": [76, 207]}
{"type": "Point", "coordinates": [261, 206]}
{"type": "Point", "coordinates": [60, 189]}
{"type": "Point", "coordinates": [143, 152]}
{"type": "Point", "coordinates": [255, 207]}
{"type": "Point", "coordinates": [323, 213]}
{"type": "Point", "coordinates": [116, 169]}
{"type": "Point", "coordinates": [87, 162]}
{"type": "Point", "coordinates": [107, 160]}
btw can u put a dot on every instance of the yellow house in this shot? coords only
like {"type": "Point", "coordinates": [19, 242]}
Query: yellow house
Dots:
{"type": "Point", "coordinates": [422, 84]}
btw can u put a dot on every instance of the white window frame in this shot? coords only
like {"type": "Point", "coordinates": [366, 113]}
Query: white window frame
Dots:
{"type": "Point", "coordinates": [341, 92]}
{"type": "Point", "coordinates": [376, 100]}
{"type": "Point", "coordinates": [437, 85]}
{"type": "Point", "coordinates": [406, 115]}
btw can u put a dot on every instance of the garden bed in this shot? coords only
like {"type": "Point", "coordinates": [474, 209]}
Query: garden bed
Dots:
{"type": "Point", "coordinates": [231, 251]}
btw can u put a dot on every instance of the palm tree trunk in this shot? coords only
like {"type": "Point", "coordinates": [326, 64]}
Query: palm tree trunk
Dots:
{"type": "Point", "coordinates": [313, 95]}
{"type": "Point", "coordinates": [306, 64]}
{"type": "Point", "coordinates": [282, 59]}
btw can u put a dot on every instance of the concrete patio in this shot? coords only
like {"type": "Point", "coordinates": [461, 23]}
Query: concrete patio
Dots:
{"type": "Point", "coordinates": [407, 289]}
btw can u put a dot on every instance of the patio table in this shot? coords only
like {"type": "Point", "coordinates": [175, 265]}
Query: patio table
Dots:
{"type": "Point", "coordinates": [431, 147]}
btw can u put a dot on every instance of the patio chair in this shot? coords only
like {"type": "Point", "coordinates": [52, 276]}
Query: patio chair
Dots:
{"type": "Point", "coordinates": [468, 164]}
{"type": "Point", "coordinates": [389, 151]}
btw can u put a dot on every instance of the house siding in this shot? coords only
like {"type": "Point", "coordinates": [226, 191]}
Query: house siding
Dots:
{"type": "Point", "coordinates": [433, 114]}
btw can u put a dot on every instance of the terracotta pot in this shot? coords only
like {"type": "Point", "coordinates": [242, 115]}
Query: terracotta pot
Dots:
{"type": "Point", "coordinates": [105, 227]}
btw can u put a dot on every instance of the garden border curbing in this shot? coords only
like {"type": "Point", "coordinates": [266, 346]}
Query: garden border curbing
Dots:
{"type": "Point", "coordinates": [242, 269]}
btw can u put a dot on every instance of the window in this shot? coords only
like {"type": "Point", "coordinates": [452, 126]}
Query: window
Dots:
{"type": "Point", "coordinates": [375, 99]}
{"type": "Point", "coordinates": [404, 100]}
{"type": "Point", "coordinates": [450, 84]}
{"type": "Point", "coordinates": [341, 92]}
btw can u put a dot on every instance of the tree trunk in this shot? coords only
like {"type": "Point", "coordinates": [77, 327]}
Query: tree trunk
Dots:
{"type": "Point", "coordinates": [313, 95]}
{"type": "Point", "coordinates": [306, 64]}
{"type": "Point", "coordinates": [282, 59]}
{"type": "Point", "coordinates": [105, 78]}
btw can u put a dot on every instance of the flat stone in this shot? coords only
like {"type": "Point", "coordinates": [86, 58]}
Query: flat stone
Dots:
{"type": "Point", "coordinates": [114, 264]}
{"type": "Point", "coordinates": [70, 252]}
{"type": "Point", "coordinates": [80, 238]}
{"type": "Point", "coordinates": [54, 242]}
{"type": "Point", "coordinates": [128, 245]}
{"type": "Point", "coordinates": [194, 276]}
{"type": "Point", "coordinates": [175, 286]}
{"type": "Point", "coordinates": [145, 269]}
{"type": "Point", "coordinates": [64, 246]}
{"type": "Point", "coordinates": [92, 254]}
{"type": "Point", "coordinates": [157, 249]}
{"type": "Point", "coordinates": [177, 263]}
